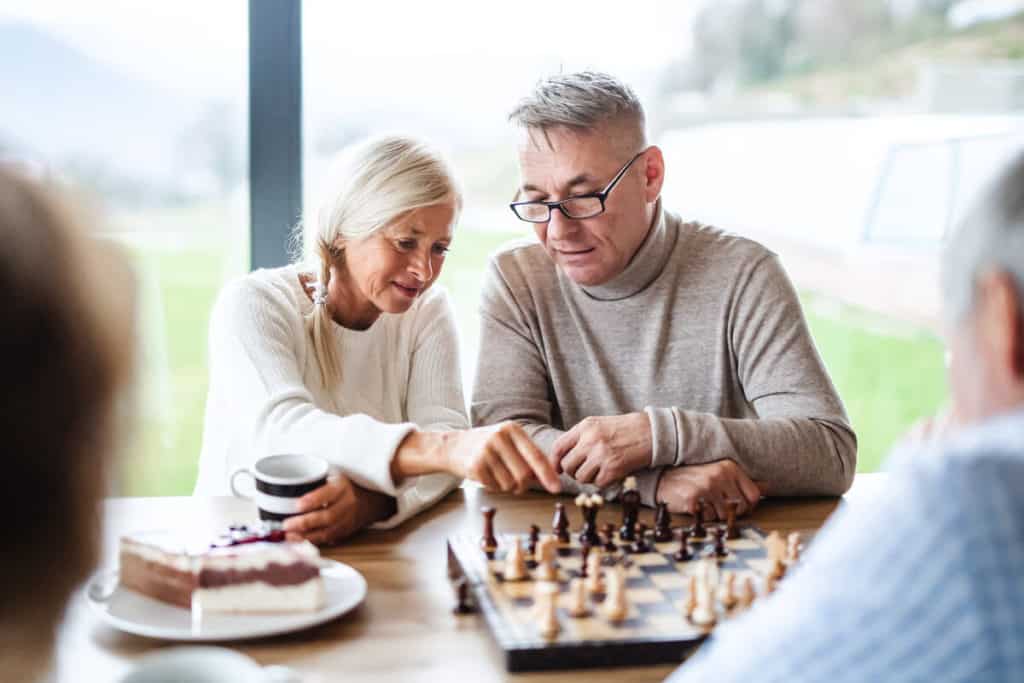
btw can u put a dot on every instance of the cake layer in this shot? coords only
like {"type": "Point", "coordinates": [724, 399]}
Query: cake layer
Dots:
{"type": "Point", "coordinates": [257, 596]}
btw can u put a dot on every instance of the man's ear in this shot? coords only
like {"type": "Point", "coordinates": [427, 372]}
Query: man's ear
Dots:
{"type": "Point", "coordinates": [654, 173]}
{"type": "Point", "coordinates": [1002, 321]}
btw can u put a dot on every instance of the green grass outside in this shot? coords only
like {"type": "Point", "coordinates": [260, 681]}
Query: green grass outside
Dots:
{"type": "Point", "coordinates": [888, 375]}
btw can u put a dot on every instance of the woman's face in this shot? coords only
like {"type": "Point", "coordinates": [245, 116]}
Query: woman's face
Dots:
{"type": "Point", "coordinates": [387, 271]}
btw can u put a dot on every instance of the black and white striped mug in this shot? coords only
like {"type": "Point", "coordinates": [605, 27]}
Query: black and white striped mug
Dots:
{"type": "Point", "coordinates": [280, 481]}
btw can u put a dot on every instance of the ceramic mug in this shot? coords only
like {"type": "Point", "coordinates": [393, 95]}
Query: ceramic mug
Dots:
{"type": "Point", "coordinates": [280, 481]}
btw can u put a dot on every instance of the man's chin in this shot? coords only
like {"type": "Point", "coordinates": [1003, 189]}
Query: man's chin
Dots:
{"type": "Point", "coordinates": [586, 276]}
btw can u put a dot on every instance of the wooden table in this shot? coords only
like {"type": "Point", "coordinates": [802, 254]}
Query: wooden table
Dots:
{"type": "Point", "coordinates": [405, 630]}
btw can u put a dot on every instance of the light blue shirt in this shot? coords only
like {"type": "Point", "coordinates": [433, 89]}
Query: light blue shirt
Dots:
{"type": "Point", "coordinates": [925, 584]}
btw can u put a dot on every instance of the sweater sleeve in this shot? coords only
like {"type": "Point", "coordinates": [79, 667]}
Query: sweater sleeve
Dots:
{"type": "Point", "coordinates": [434, 398]}
{"type": "Point", "coordinates": [255, 364]}
{"type": "Point", "coordinates": [512, 381]}
{"type": "Point", "coordinates": [801, 442]}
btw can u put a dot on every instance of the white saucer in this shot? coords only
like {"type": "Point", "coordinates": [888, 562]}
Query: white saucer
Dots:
{"type": "Point", "coordinates": [135, 613]}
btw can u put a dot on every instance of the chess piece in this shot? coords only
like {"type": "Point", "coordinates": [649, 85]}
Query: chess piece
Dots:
{"type": "Point", "coordinates": [690, 603]}
{"type": "Point", "coordinates": [698, 521]}
{"type": "Point", "coordinates": [515, 563]}
{"type": "Point", "coordinates": [641, 545]}
{"type": "Point", "coordinates": [704, 611]}
{"type": "Point", "coordinates": [683, 554]}
{"type": "Point", "coordinates": [531, 548]}
{"type": "Point", "coordinates": [728, 593]}
{"type": "Point", "coordinates": [770, 583]}
{"type": "Point", "coordinates": [546, 569]}
{"type": "Point", "coordinates": [560, 524]}
{"type": "Point", "coordinates": [776, 548]}
{"type": "Point", "coordinates": [616, 605]}
{"type": "Point", "coordinates": [577, 599]}
{"type": "Point", "coordinates": [488, 542]}
{"type": "Point", "coordinates": [792, 549]}
{"type": "Point", "coordinates": [595, 578]}
{"type": "Point", "coordinates": [747, 594]}
{"type": "Point", "coordinates": [609, 538]}
{"type": "Point", "coordinates": [662, 524]}
{"type": "Point", "coordinates": [548, 613]}
{"type": "Point", "coordinates": [584, 553]}
{"type": "Point", "coordinates": [732, 508]}
{"type": "Point", "coordinates": [589, 506]}
{"type": "Point", "coordinates": [630, 499]}
{"type": "Point", "coordinates": [463, 604]}
{"type": "Point", "coordinates": [720, 549]}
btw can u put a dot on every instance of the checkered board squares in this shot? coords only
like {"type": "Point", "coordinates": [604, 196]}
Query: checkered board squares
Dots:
{"type": "Point", "coordinates": [655, 630]}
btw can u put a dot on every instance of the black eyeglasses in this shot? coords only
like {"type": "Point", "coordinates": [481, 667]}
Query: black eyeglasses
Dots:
{"type": "Point", "coordinates": [580, 206]}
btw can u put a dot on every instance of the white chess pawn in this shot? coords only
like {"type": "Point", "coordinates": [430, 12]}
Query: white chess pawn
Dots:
{"type": "Point", "coordinates": [691, 597]}
{"type": "Point", "coordinates": [595, 578]}
{"type": "Point", "coordinates": [578, 599]}
{"type": "Point", "coordinates": [549, 625]}
{"type": "Point", "coordinates": [704, 613]}
{"type": "Point", "coordinates": [616, 606]}
{"type": "Point", "coordinates": [546, 569]}
{"type": "Point", "coordinates": [792, 548]}
{"type": "Point", "coordinates": [747, 594]}
{"type": "Point", "coordinates": [728, 592]}
{"type": "Point", "coordinates": [515, 562]}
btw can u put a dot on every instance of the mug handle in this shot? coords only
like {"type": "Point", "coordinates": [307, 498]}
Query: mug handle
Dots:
{"type": "Point", "coordinates": [231, 482]}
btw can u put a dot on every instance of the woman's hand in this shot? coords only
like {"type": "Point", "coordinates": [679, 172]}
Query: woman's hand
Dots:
{"type": "Point", "coordinates": [501, 457]}
{"type": "Point", "coordinates": [337, 510]}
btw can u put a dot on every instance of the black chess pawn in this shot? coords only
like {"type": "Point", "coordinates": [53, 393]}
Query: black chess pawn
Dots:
{"type": "Point", "coordinates": [698, 521]}
{"type": "Point", "coordinates": [488, 542]}
{"type": "Point", "coordinates": [732, 508]}
{"type": "Point", "coordinates": [463, 604]}
{"type": "Point", "coordinates": [584, 554]}
{"type": "Point", "coordinates": [662, 524]}
{"type": "Point", "coordinates": [560, 524]}
{"type": "Point", "coordinates": [609, 538]}
{"type": "Point", "coordinates": [588, 534]}
{"type": "Point", "coordinates": [683, 554]}
{"type": "Point", "coordinates": [640, 545]}
{"type": "Point", "coordinates": [630, 500]}
{"type": "Point", "coordinates": [531, 545]}
{"type": "Point", "coordinates": [720, 549]}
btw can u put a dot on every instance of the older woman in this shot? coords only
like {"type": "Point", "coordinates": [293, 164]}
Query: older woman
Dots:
{"type": "Point", "coordinates": [354, 358]}
{"type": "Point", "coordinates": [66, 350]}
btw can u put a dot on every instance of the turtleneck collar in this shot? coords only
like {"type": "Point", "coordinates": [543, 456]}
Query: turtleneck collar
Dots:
{"type": "Point", "coordinates": [645, 266]}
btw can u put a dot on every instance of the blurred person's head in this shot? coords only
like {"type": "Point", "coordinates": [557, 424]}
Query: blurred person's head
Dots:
{"type": "Point", "coordinates": [379, 236]}
{"type": "Point", "coordinates": [983, 288]}
{"type": "Point", "coordinates": [579, 131]}
{"type": "Point", "coordinates": [65, 352]}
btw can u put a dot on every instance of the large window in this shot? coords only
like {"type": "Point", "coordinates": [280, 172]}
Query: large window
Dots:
{"type": "Point", "coordinates": [846, 136]}
{"type": "Point", "coordinates": [144, 108]}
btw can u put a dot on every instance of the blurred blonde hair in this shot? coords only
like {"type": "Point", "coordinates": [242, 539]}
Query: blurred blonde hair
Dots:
{"type": "Point", "coordinates": [66, 352]}
{"type": "Point", "coordinates": [371, 185]}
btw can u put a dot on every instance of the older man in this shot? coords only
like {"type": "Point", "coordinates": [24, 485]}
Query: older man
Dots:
{"type": "Point", "coordinates": [630, 342]}
{"type": "Point", "coordinates": [929, 584]}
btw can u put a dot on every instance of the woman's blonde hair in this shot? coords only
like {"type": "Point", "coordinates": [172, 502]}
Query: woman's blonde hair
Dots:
{"type": "Point", "coordinates": [371, 185]}
{"type": "Point", "coordinates": [65, 355]}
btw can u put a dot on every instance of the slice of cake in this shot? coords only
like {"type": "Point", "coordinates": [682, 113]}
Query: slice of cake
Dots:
{"type": "Point", "coordinates": [248, 569]}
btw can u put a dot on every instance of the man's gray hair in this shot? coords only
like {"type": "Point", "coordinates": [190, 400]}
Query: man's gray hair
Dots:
{"type": "Point", "coordinates": [580, 101]}
{"type": "Point", "coordinates": [991, 236]}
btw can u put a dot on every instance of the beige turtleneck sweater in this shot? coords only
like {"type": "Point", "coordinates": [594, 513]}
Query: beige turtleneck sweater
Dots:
{"type": "Point", "coordinates": [703, 331]}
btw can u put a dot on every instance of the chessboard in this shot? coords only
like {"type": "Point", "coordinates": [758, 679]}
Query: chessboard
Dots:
{"type": "Point", "coordinates": [656, 628]}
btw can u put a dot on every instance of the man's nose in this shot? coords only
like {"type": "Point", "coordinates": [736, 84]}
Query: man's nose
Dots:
{"type": "Point", "coordinates": [561, 227]}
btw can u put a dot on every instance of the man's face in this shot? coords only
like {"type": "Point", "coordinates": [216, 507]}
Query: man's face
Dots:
{"type": "Point", "coordinates": [590, 251]}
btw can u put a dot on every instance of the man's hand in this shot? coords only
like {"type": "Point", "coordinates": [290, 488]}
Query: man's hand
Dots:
{"type": "Point", "coordinates": [716, 483]}
{"type": "Point", "coordinates": [603, 450]}
{"type": "Point", "coordinates": [337, 510]}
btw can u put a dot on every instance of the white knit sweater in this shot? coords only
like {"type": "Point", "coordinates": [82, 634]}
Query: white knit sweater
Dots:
{"type": "Point", "coordinates": [265, 395]}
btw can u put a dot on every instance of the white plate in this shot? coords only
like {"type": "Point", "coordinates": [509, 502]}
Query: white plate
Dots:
{"type": "Point", "coordinates": [135, 613]}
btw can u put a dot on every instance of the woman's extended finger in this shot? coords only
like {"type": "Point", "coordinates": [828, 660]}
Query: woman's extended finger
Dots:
{"type": "Point", "coordinates": [543, 471]}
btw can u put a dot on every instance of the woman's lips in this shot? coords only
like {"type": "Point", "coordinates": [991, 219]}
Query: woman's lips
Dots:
{"type": "Point", "coordinates": [405, 290]}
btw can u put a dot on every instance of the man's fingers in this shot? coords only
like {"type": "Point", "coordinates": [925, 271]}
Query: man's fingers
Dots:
{"type": "Point", "coordinates": [751, 492]}
{"type": "Point", "coordinates": [572, 462]}
{"type": "Point", "coordinates": [587, 471]}
{"type": "Point", "coordinates": [543, 470]}
{"type": "Point", "coordinates": [561, 447]}
{"type": "Point", "coordinates": [517, 467]}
